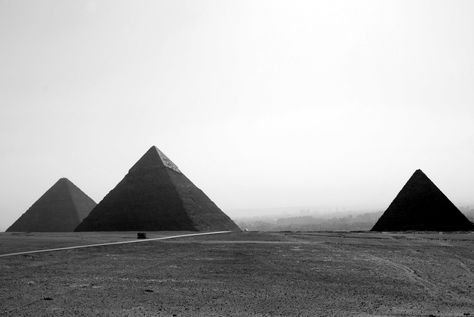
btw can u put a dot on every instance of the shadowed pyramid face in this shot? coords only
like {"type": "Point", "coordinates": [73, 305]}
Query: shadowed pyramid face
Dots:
{"type": "Point", "coordinates": [60, 209]}
{"type": "Point", "coordinates": [420, 205]}
{"type": "Point", "coordinates": [154, 196]}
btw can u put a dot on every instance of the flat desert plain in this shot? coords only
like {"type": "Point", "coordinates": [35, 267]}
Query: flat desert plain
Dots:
{"type": "Point", "coordinates": [240, 274]}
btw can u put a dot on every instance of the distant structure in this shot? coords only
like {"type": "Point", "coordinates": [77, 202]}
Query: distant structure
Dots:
{"type": "Point", "coordinates": [60, 209]}
{"type": "Point", "coordinates": [421, 206]}
{"type": "Point", "coordinates": [156, 196]}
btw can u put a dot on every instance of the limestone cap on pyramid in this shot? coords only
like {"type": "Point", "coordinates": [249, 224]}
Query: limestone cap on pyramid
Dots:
{"type": "Point", "coordinates": [154, 158]}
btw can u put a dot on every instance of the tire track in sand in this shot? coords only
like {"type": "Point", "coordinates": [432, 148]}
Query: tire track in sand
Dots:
{"type": "Point", "coordinates": [410, 273]}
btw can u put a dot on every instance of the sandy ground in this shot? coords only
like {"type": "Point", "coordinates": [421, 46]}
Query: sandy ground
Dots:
{"type": "Point", "coordinates": [20, 242]}
{"type": "Point", "coordinates": [245, 274]}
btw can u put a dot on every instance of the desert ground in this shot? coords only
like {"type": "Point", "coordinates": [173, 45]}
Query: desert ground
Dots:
{"type": "Point", "coordinates": [240, 274]}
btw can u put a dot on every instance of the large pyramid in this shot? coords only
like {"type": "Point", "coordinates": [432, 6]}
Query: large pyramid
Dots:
{"type": "Point", "coordinates": [60, 209]}
{"type": "Point", "coordinates": [155, 196]}
{"type": "Point", "coordinates": [421, 206]}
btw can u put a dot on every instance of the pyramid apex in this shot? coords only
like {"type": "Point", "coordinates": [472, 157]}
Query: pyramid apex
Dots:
{"type": "Point", "coordinates": [62, 181]}
{"type": "Point", "coordinates": [152, 149]}
{"type": "Point", "coordinates": [419, 174]}
{"type": "Point", "coordinates": [155, 158]}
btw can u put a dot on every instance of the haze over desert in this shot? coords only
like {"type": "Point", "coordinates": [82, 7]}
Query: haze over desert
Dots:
{"type": "Point", "coordinates": [236, 158]}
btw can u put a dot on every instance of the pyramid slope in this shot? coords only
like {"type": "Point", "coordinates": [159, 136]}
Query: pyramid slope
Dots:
{"type": "Point", "coordinates": [60, 209]}
{"type": "Point", "coordinates": [421, 206]}
{"type": "Point", "coordinates": [156, 196]}
{"type": "Point", "coordinates": [203, 212]}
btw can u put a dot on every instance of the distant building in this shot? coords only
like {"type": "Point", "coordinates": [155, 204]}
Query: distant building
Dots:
{"type": "Point", "coordinates": [421, 206]}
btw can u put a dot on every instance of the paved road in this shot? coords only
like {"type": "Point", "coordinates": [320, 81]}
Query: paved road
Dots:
{"type": "Point", "coordinates": [112, 243]}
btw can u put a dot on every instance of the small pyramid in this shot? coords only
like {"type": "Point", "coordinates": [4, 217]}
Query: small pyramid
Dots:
{"type": "Point", "coordinates": [421, 206]}
{"type": "Point", "coordinates": [60, 209]}
{"type": "Point", "coordinates": [156, 196]}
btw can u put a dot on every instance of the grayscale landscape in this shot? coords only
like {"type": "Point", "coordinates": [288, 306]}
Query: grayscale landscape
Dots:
{"type": "Point", "coordinates": [221, 158]}
{"type": "Point", "coordinates": [243, 274]}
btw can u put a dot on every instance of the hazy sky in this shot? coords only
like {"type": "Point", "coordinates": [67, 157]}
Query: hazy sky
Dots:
{"type": "Point", "coordinates": [260, 103]}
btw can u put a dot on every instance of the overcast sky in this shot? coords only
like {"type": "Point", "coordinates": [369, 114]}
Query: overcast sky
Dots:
{"type": "Point", "coordinates": [261, 104]}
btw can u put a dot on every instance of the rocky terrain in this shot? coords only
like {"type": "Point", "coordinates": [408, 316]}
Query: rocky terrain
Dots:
{"type": "Point", "coordinates": [249, 274]}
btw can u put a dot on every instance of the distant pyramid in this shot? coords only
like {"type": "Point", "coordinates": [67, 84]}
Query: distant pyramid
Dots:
{"type": "Point", "coordinates": [60, 209]}
{"type": "Point", "coordinates": [156, 196]}
{"type": "Point", "coordinates": [421, 206]}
